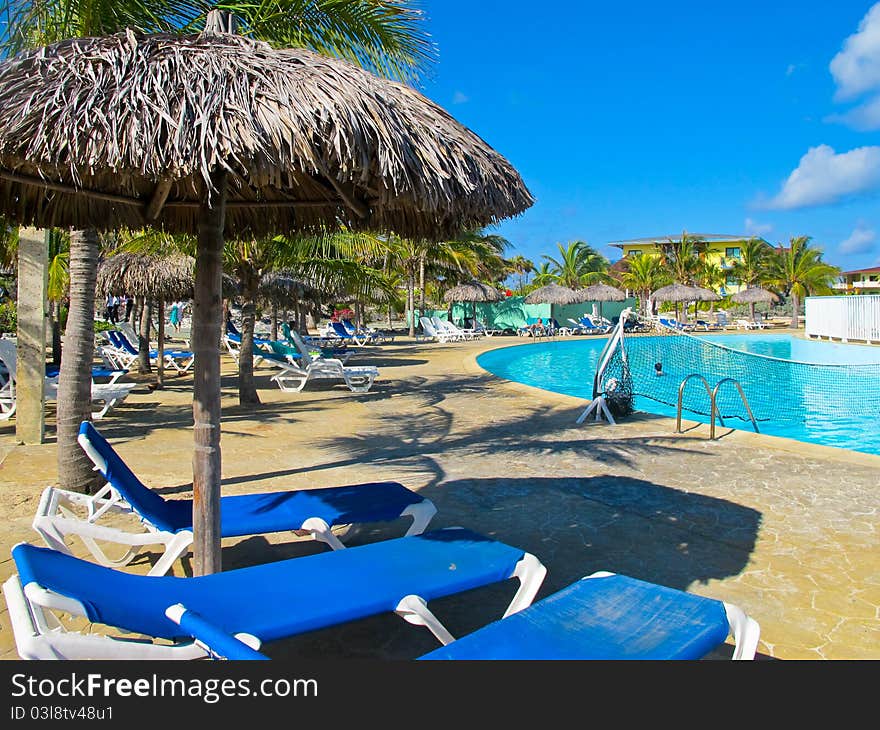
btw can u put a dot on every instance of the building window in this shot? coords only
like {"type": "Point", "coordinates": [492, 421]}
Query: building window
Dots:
{"type": "Point", "coordinates": [732, 253]}
{"type": "Point", "coordinates": [633, 253]}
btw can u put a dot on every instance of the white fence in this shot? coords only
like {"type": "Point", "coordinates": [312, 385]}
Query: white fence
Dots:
{"type": "Point", "coordinates": [844, 318]}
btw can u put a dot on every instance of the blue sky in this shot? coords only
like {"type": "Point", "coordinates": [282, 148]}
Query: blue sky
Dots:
{"type": "Point", "coordinates": [642, 118]}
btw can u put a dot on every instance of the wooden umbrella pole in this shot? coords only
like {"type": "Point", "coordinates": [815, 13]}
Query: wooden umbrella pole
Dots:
{"type": "Point", "coordinates": [206, 332]}
{"type": "Point", "coordinates": [160, 355]}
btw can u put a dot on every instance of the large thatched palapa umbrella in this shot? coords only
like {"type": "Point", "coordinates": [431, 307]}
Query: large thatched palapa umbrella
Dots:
{"type": "Point", "coordinates": [216, 134]}
{"type": "Point", "coordinates": [601, 293]}
{"type": "Point", "coordinates": [754, 295]}
{"type": "Point", "coordinates": [473, 292]}
{"type": "Point", "coordinates": [153, 277]}
{"type": "Point", "coordinates": [553, 294]}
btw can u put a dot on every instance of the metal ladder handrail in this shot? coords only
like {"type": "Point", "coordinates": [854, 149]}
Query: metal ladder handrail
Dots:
{"type": "Point", "coordinates": [713, 403]}
{"type": "Point", "coordinates": [681, 399]}
{"type": "Point", "coordinates": [742, 395]}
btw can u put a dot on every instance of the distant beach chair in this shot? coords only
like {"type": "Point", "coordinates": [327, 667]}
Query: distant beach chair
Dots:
{"type": "Point", "coordinates": [107, 394]}
{"type": "Point", "coordinates": [168, 522]}
{"type": "Point", "coordinates": [746, 324]}
{"type": "Point", "coordinates": [260, 603]}
{"type": "Point", "coordinates": [431, 332]}
{"type": "Point", "coordinates": [604, 616]}
{"type": "Point", "coordinates": [299, 369]}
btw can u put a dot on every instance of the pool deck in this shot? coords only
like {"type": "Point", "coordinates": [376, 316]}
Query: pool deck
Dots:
{"type": "Point", "coordinates": [789, 531]}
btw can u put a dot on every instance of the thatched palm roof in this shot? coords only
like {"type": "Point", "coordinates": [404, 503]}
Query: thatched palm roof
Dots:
{"type": "Point", "coordinates": [281, 288]}
{"type": "Point", "coordinates": [706, 295]}
{"type": "Point", "coordinates": [125, 131]}
{"type": "Point", "coordinates": [754, 295]}
{"type": "Point", "coordinates": [675, 293]}
{"type": "Point", "coordinates": [601, 293]}
{"type": "Point", "coordinates": [144, 275]}
{"type": "Point", "coordinates": [553, 294]}
{"type": "Point", "coordinates": [473, 291]}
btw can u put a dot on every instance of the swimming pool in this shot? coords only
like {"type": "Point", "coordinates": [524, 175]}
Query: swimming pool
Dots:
{"type": "Point", "coordinates": [799, 389]}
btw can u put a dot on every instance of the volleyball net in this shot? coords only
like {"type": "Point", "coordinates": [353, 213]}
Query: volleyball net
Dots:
{"type": "Point", "coordinates": [654, 363]}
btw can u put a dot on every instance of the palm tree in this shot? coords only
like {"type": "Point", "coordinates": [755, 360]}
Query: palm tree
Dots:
{"type": "Point", "coordinates": [579, 264]}
{"type": "Point", "coordinates": [751, 268]}
{"type": "Point", "coordinates": [522, 267]}
{"type": "Point", "coordinates": [58, 285]}
{"type": "Point", "coordinates": [682, 260]}
{"type": "Point", "coordinates": [710, 276]}
{"type": "Point", "coordinates": [645, 274]}
{"type": "Point", "coordinates": [384, 37]}
{"type": "Point", "coordinates": [543, 275]}
{"type": "Point", "coordinates": [799, 270]}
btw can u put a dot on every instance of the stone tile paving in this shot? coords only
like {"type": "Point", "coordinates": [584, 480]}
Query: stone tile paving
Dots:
{"type": "Point", "coordinates": [788, 531]}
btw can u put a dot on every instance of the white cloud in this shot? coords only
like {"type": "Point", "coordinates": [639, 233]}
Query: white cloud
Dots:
{"type": "Point", "coordinates": [823, 176]}
{"type": "Point", "coordinates": [861, 240]}
{"type": "Point", "coordinates": [753, 228]}
{"type": "Point", "coordinates": [460, 98]}
{"type": "Point", "coordinates": [865, 118]}
{"type": "Point", "coordinates": [856, 68]}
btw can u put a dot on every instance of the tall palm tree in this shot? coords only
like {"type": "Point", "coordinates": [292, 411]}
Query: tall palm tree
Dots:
{"type": "Point", "coordinates": [522, 267]}
{"type": "Point", "coordinates": [543, 275]}
{"type": "Point", "coordinates": [799, 270]}
{"type": "Point", "coordinates": [578, 265]}
{"type": "Point", "coordinates": [644, 274]}
{"type": "Point", "coordinates": [751, 268]}
{"type": "Point", "coordinates": [384, 36]}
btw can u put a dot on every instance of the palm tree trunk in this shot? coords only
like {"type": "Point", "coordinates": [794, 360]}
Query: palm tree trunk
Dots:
{"type": "Point", "coordinates": [794, 310]}
{"type": "Point", "coordinates": [207, 328]}
{"type": "Point", "coordinates": [55, 328]}
{"type": "Point", "coordinates": [274, 322]}
{"type": "Point", "coordinates": [75, 471]}
{"type": "Point", "coordinates": [247, 389]}
{"type": "Point", "coordinates": [411, 300]}
{"type": "Point", "coordinates": [752, 311]}
{"type": "Point", "coordinates": [422, 292]}
{"type": "Point", "coordinates": [144, 338]}
{"type": "Point", "coordinates": [160, 354]}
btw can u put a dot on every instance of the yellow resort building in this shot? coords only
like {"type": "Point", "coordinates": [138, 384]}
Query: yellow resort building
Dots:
{"type": "Point", "coordinates": [718, 248]}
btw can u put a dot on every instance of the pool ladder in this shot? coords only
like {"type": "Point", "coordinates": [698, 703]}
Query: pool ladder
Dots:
{"type": "Point", "coordinates": [713, 401]}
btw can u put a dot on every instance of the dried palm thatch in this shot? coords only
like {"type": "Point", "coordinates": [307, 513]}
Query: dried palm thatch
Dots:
{"type": "Point", "coordinates": [126, 130]}
{"type": "Point", "coordinates": [754, 295]}
{"type": "Point", "coordinates": [553, 294]}
{"type": "Point", "coordinates": [675, 293]}
{"type": "Point", "coordinates": [162, 278]}
{"type": "Point", "coordinates": [705, 295]}
{"type": "Point", "coordinates": [601, 293]}
{"type": "Point", "coordinates": [280, 289]}
{"type": "Point", "coordinates": [473, 291]}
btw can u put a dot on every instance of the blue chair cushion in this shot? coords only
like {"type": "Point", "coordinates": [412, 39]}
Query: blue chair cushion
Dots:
{"type": "Point", "coordinates": [283, 598]}
{"type": "Point", "coordinates": [254, 514]}
{"type": "Point", "coordinates": [614, 617]}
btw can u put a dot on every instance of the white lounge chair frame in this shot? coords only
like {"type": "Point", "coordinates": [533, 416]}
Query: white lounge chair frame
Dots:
{"type": "Point", "coordinates": [40, 634]}
{"type": "Point", "coordinates": [293, 377]}
{"type": "Point", "coordinates": [55, 521]}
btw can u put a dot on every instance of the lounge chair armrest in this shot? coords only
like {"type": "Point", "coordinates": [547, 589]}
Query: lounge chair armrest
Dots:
{"type": "Point", "coordinates": [217, 642]}
{"type": "Point", "coordinates": [414, 610]}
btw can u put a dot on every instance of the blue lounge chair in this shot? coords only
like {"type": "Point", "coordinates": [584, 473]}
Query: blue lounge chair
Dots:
{"type": "Point", "coordinates": [180, 360]}
{"type": "Point", "coordinates": [327, 347]}
{"type": "Point", "coordinates": [603, 616]}
{"type": "Point", "coordinates": [261, 354]}
{"type": "Point", "coordinates": [262, 603]}
{"type": "Point", "coordinates": [168, 522]}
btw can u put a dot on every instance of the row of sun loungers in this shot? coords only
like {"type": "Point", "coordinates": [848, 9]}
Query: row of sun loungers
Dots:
{"type": "Point", "coordinates": [234, 614]}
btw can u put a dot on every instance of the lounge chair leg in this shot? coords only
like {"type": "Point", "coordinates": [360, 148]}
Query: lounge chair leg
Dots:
{"type": "Point", "coordinates": [422, 514]}
{"type": "Point", "coordinates": [322, 533]}
{"type": "Point", "coordinates": [531, 573]}
{"type": "Point", "coordinates": [414, 609]}
{"type": "Point", "coordinates": [173, 550]}
{"type": "Point", "coordinates": [745, 630]}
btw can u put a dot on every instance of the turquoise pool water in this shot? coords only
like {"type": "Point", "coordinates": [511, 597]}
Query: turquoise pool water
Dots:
{"type": "Point", "coordinates": [832, 400]}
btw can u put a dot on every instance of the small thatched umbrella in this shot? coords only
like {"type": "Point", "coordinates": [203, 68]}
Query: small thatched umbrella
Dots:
{"type": "Point", "coordinates": [752, 296]}
{"type": "Point", "coordinates": [473, 292]}
{"type": "Point", "coordinates": [601, 293]}
{"type": "Point", "coordinates": [280, 289]}
{"type": "Point", "coordinates": [676, 293]}
{"type": "Point", "coordinates": [152, 277]}
{"type": "Point", "coordinates": [553, 294]}
{"type": "Point", "coordinates": [220, 135]}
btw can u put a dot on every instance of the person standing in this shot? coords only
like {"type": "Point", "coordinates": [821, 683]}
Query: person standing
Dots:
{"type": "Point", "coordinates": [176, 315]}
{"type": "Point", "coordinates": [111, 311]}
